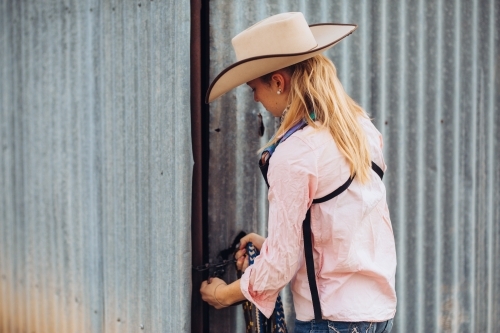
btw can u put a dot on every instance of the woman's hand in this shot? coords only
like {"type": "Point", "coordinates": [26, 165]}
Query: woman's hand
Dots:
{"type": "Point", "coordinates": [257, 241]}
{"type": "Point", "coordinates": [213, 292]}
{"type": "Point", "coordinates": [241, 255]}
{"type": "Point", "coordinates": [219, 294]}
{"type": "Point", "coordinates": [241, 260]}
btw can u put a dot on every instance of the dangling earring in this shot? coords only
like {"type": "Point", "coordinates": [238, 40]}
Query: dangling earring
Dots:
{"type": "Point", "coordinates": [279, 91]}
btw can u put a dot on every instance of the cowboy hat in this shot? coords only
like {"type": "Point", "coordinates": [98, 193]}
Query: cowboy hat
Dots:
{"type": "Point", "coordinates": [276, 42]}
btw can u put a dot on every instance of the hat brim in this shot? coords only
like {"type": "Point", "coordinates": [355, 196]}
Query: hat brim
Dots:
{"type": "Point", "coordinates": [326, 35]}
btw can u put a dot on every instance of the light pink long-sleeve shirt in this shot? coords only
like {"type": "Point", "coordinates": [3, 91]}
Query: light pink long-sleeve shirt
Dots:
{"type": "Point", "coordinates": [353, 242]}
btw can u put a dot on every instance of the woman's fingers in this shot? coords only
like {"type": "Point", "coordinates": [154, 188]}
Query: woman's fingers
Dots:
{"type": "Point", "coordinates": [239, 262]}
{"type": "Point", "coordinates": [257, 241]}
{"type": "Point", "coordinates": [244, 240]}
{"type": "Point", "coordinates": [242, 263]}
{"type": "Point", "coordinates": [240, 256]}
{"type": "Point", "coordinates": [240, 253]}
{"type": "Point", "coordinates": [245, 264]}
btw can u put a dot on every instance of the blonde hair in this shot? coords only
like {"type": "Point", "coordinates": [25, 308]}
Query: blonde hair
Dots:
{"type": "Point", "coordinates": [315, 88]}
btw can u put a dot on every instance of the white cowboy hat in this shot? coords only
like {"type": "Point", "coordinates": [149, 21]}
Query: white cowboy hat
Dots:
{"type": "Point", "coordinates": [276, 42]}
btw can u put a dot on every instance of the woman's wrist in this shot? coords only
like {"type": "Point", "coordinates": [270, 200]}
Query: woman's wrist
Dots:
{"type": "Point", "coordinates": [218, 297]}
{"type": "Point", "coordinates": [229, 294]}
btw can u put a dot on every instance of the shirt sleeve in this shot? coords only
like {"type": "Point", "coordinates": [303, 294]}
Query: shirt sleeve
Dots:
{"type": "Point", "coordinates": [293, 182]}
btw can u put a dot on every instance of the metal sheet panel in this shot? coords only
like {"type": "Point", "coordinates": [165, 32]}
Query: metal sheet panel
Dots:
{"type": "Point", "coordinates": [96, 162]}
{"type": "Point", "coordinates": [427, 72]}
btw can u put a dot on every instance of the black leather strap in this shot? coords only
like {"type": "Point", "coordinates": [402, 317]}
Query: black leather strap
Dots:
{"type": "Point", "coordinates": [308, 246]}
{"type": "Point", "coordinates": [377, 169]}
{"type": "Point", "coordinates": [311, 275]}
{"type": "Point", "coordinates": [336, 192]}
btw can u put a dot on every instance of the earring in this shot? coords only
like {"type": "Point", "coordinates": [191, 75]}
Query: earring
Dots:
{"type": "Point", "coordinates": [279, 91]}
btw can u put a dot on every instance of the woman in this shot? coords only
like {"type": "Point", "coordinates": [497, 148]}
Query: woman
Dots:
{"type": "Point", "coordinates": [329, 233]}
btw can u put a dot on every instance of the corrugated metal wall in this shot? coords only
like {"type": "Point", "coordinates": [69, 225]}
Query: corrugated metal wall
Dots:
{"type": "Point", "coordinates": [428, 73]}
{"type": "Point", "coordinates": [95, 172]}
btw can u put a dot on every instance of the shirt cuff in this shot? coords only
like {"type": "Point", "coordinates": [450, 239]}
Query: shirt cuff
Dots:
{"type": "Point", "coordinates": [261, 301]}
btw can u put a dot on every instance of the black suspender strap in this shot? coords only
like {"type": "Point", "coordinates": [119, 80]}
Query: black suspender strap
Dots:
{"type": "Point", "coordinates": [377, 169]}
{"type": "Point", "coordinates": [311, 275]}
{"type": "Point", "coordinates": [308, 247]}
{"type": "Point", "coordinates": [336, 192]}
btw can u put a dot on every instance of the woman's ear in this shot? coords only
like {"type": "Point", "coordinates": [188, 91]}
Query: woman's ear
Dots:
{"type": "Point", "coordinates": [278, 81]}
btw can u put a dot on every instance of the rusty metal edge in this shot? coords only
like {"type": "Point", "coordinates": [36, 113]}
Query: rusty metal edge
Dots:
{"type": "Point", "coordinates": [199, 136]}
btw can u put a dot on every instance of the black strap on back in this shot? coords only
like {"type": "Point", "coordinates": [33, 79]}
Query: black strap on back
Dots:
{"type": "Point", "coordinates": [311, 275]}
{"type": "Point", "coordinates": [377, 169]}
{"type": "Point", "coordinates": [336, 192]}
{"type": "Point", "coordinates": [308, 247]}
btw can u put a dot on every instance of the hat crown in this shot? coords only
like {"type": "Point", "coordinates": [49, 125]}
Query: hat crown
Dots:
{"type": "Point", "coordinates": [285, 33]}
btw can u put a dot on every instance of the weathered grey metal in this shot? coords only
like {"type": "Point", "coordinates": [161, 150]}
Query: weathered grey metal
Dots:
{"type": "Point", "coordinates": [95, 172]}
{"type": "Point", "coordinates": [427, 72]}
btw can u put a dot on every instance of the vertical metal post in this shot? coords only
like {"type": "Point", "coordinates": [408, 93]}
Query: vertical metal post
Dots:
{"type": "Point", "coordinates": [199, 134]}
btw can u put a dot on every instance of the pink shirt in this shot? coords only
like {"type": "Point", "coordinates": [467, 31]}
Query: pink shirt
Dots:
{"type": "Point", "coordinates": [353, 241]}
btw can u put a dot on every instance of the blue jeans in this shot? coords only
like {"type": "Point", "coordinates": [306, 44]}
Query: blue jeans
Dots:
{"type": "Point", "coordinates": [326, 326]}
